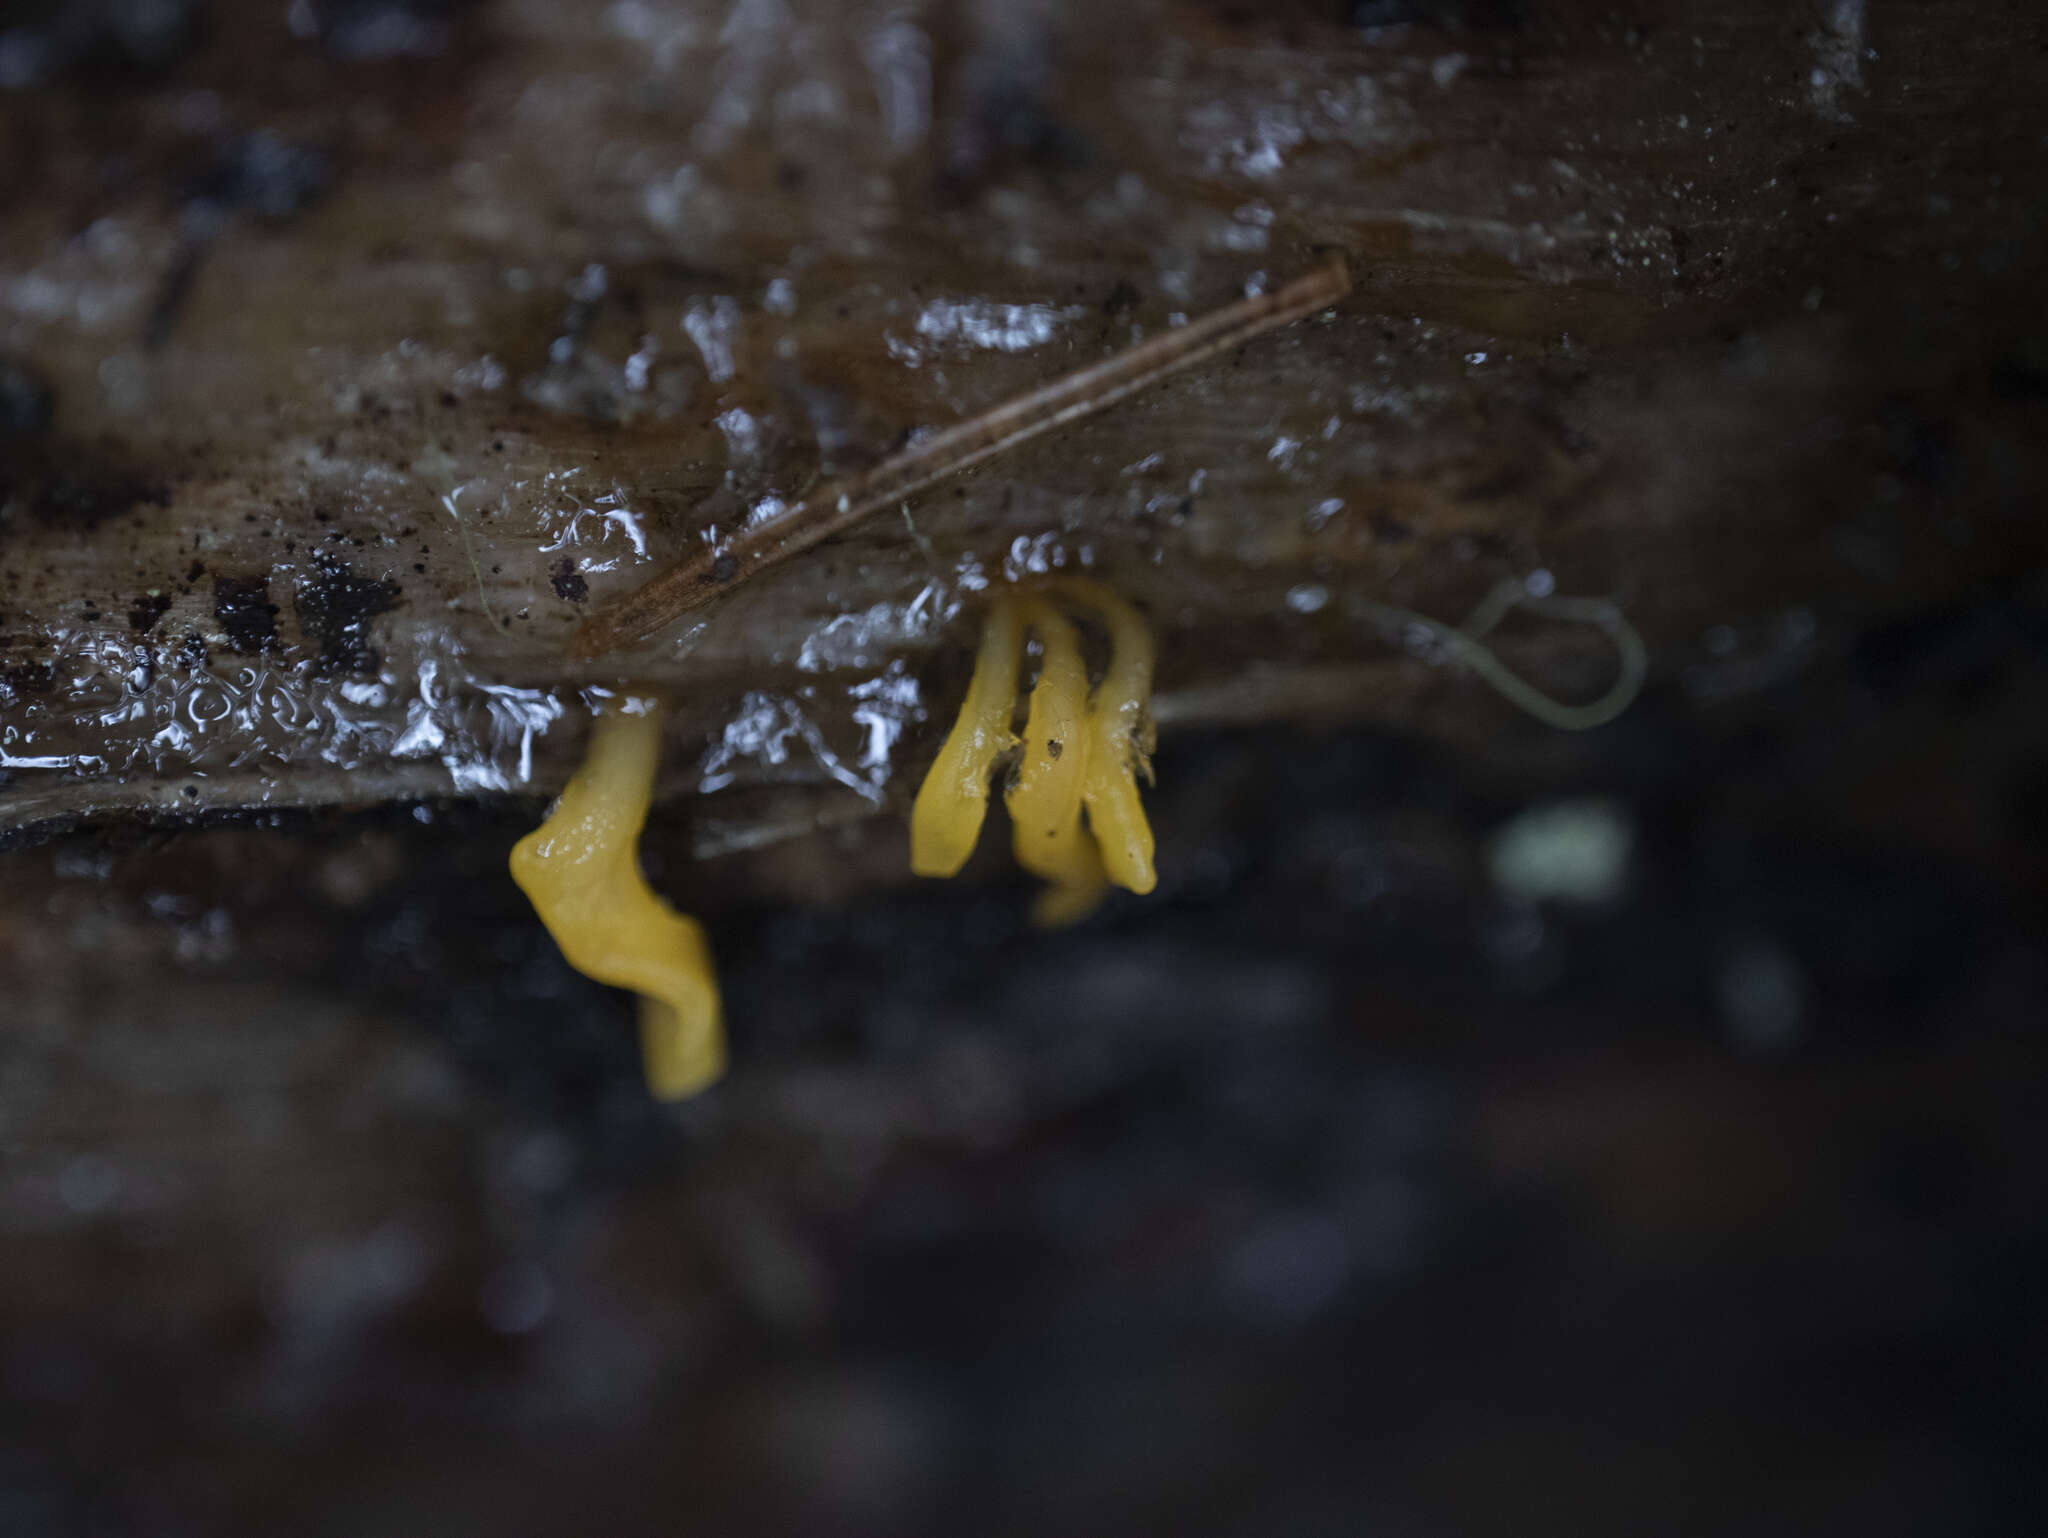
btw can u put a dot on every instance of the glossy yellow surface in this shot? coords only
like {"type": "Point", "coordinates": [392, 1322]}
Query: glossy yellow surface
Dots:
{"type": "Point", "coordinates": [1120, 740]}
{"type": "Point", "coordinates": [1078, 752]}
{"type": "Point", "coordinates": [946, 818]}
{"type": "Point", "coordinates": [581, 871]}
{"type": "Point", "coordinates": [1044, 800]}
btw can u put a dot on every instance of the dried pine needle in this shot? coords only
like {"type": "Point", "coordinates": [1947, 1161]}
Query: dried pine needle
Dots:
{"type": "Point", "coordinates": [831, 509]}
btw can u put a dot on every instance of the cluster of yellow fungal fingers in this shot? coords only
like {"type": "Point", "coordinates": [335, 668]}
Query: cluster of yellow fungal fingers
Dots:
{"type": "Point", "coordinates": [1079, 752]}
{"type": "Point", "coordinates": [581, 871]}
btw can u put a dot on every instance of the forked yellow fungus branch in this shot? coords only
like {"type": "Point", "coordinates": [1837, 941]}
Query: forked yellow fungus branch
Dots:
{"type": "Point", "coordinates": [581, 871]}
{"type": "Point", "coordinates": [1079, 752]}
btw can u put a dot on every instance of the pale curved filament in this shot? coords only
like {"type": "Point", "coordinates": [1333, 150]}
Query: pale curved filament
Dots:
{"type": "Point", "coordinates": [1467, 643]}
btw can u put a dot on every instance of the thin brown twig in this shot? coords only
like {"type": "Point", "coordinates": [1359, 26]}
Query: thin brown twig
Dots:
{"type": "Point", "coordinates": [832, 508]}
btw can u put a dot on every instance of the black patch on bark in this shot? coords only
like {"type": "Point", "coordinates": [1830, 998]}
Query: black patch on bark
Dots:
{"type": "Point", "coordinates": [246, 614]}
{"type": "Point", "coordinates": [569, 584]}
{"type": "Point", "coordinates": [335, 609]}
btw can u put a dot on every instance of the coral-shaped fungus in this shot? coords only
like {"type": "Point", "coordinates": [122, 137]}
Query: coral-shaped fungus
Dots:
{"type": "Point", "coordinates": [581, 871]}
{"type": "Point", "coordinates": [1078, 752]}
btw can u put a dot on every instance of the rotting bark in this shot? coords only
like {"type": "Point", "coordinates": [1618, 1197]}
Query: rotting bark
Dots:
{"type": "Point", "coordinates": [780, 532]}
{"type": "Point", "coordinates": [1714, 314]}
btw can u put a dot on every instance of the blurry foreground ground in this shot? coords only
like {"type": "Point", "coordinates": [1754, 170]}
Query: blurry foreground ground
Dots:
{"type": "Point", "coordinates": [1331, 1191]}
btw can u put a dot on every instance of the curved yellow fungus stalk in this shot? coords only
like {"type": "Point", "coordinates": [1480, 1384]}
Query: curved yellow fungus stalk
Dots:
{"type": "Point", "coordinates": [946, 819]}
{"type": "Point", "coordinates": [1120, 740]}
{"type": "Point", "coordinates": [1079, 754]}
{"type": "Point", "coordinates": [1044, 801]}
{"type": "Point", "coordinates": [581, 871]}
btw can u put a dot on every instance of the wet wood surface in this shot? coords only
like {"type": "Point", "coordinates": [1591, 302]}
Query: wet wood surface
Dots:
{"type": "Point", "coordinates": [370, 377]}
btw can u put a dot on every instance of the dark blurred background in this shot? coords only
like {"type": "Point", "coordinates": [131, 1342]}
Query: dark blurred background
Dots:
{"type": "Point", "coordinates": [1483, 1130]}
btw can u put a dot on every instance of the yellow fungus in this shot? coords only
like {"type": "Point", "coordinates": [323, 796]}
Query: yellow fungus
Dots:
{"type": "Point", "coordinates": [1080, 753]}
{"type": "Point", "coordinates": [581, 871]}
{"type": "Point", "coordinates": [946, 819]}
{"type": "Point", "coordinates": [1044, 800]}
{"type": "Point", "coordinates": [1121, 740]}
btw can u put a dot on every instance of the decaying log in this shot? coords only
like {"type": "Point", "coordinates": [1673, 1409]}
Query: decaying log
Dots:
{"type": "Point", "coordinates": [340, 392]}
